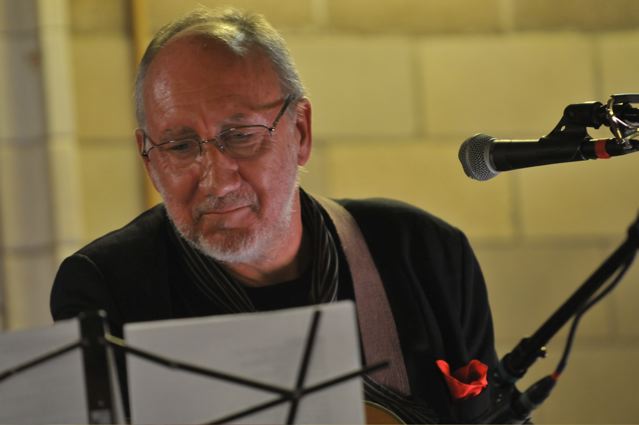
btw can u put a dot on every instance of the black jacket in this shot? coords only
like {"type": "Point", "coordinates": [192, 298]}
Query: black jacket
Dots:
{"type": "Point", "coordinates": [433, 283]}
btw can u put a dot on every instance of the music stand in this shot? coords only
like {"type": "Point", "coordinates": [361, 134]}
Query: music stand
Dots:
{"type": "Point", "coordinates": [58, 374]}
{"type": "Point", "coordinates": [301, 363]}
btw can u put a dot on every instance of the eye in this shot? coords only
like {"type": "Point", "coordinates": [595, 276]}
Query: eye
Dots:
{"type": "Point", "coordinates": [182, 147]}
{"type": "Point", "coordinates": [240, 136]}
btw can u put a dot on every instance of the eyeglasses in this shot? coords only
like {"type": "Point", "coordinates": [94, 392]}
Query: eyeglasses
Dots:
{"type": "Point", "coordinates": [239, 142]}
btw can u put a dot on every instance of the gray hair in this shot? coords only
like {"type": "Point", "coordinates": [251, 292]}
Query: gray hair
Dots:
{"type": "Point", "coordinates": [239, 31]}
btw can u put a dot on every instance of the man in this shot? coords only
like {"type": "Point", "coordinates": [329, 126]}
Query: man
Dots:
{"type": "Point", "coordinates": [224, 126]}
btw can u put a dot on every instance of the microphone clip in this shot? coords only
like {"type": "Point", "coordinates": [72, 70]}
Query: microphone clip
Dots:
{"type": "Point", "coordinates": [618, 114]}
{"type": "Point", "coordinates": [622, 118]}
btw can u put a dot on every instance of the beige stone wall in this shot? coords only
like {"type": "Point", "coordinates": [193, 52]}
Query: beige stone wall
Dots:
{"type": "Point", "coordinates": [396, 86]}
{"type": "Point", "coordinates": [103, 65]}
{"type": "Point", "coordinates": [39, 196]}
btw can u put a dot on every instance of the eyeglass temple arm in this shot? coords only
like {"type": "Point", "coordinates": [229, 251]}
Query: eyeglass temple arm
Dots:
{"type": "Point", "coordinates": [144, 153]}
{"type": "Point", "coordinates": [279, 116]}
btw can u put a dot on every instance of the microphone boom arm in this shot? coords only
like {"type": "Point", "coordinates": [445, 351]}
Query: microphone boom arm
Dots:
{"type": "Point", "coordinates": [516, 363]}
{"type": "Point", "coordinates": [511, 406]}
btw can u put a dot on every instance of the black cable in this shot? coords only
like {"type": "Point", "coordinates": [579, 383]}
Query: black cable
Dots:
{"type": "Point", "coordinates": [561, 365]}
{"type": "Point", "coordinates": [518, 411]}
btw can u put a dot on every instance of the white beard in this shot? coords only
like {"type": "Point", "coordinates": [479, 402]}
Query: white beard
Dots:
{"type": "Point", "coordinates": [240, 245]}
{"type": "Point", "coordinates": [246, 246]}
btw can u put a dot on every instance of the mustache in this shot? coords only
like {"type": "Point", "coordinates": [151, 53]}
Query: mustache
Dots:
{"type": "Point", "coordinates": [228, 201]}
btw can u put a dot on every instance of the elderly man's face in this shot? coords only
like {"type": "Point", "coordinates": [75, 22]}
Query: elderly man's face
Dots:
{"type": "Point", "coordinates": [236, 210]}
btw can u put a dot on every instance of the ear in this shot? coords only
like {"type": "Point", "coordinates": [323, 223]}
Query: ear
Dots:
{"type": "Point", "coordinates": [303, 127]}
{"type": "Point", "coordinates": [139, 140]}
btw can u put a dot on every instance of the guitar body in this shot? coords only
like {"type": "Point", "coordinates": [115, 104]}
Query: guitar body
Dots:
{"type": "Point", "coordinates": [378, 414]}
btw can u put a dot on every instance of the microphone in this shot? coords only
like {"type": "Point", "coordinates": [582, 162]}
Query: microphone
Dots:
{"type": "Point", "coordinates": [483, 157]}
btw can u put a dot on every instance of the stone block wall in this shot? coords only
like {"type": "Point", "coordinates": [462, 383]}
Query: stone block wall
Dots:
{"type": "Point", "coordinates": [396, 87]}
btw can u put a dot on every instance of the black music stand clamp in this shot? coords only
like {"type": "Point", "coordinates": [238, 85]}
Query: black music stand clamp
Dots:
{"type": "Point", "coordinates": [511, 406]}
{"type": "Point", "coordinates": [99, 369]}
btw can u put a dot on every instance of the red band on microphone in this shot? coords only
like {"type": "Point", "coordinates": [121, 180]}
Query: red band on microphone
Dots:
{"type": "Point", "coordinates": [600, 149]}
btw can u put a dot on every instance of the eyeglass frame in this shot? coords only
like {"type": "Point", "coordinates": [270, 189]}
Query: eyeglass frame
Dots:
{"type": "Point", "coordinates": [220, 146]}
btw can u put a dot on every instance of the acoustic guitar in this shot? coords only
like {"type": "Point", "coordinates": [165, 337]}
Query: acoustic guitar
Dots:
{"type": "Point", "coordinates": [378, 414]}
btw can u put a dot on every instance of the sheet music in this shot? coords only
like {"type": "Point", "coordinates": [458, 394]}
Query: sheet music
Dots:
{"type": "Point", "coordinates": [266, 347]}
{"type": "Point", "coordinates": [49, 393]}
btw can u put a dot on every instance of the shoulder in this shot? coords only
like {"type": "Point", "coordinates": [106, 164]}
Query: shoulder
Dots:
{"type": "Point", "coordinates": [139, 235]}
{"type": "Point", "coordinates": [131, 255]}
{"type": "Point", "coordinates": [415, 249]}
{"type": "Point", "coordinates": [114, 268]}
{"type": "Point", "coordinates": [394, 219]}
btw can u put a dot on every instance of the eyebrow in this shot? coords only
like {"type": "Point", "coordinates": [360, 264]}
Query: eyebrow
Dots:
{"type": "Point", "coordinates": [173, 133]}
{"type": "Point", "coordinates": [242, 119]}
{"type": "Point", "coordinates": [255, 110]}
{"type": "Point", "coordinates": [239, 118]}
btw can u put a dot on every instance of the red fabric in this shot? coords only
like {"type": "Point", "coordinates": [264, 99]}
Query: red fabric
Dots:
{"type": "Point", "coordinates": [600, 149]}
{"type": "Point", "coordinates": [467, 381]}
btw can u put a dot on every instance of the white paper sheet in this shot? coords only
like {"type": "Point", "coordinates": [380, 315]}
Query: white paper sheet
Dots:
{"type": "Point", "coordinates": [51, 393]}
{"type": "Point", "coordinates": [266, 347]}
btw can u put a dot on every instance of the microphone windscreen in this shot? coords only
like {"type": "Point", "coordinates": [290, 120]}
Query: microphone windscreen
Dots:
{"type": "Point", "coordinates": [474, 155]}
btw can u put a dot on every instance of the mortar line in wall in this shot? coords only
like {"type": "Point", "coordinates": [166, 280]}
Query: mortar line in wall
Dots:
{"type": "Point", "coordinates": [38, 141]}
{"type": "Point", "coordinates": [597, 71]}
{"type": "Point", "coordinates": [507, 15]}
{"type": "Point", "coordinates": [582, 341]}
{"type": "Point", "coordinates": [40, 249]}
{"type": "Point", "coordinates": [613, 312]}
{"type": "Point", "coordinates": [516, 218]}
{"type": "Point", "coordinates": [3, 281]}
{"type": "Point", "coordinates": [418, 105]}
{"type": "Point", "coordinates": [50, 56]}
{"type": "Point", "coordinates": [19, 34]}
{"type": "Point", "coordinates": [600, 241]}
{"type": "Point", "coordinates": [24, 142]}
{"type": "Point", "coordinates": [319, 11]}
{"type": "Point", "coordinates": [107, 141]}
{"type": "Point", "coordinates": [377, 139]}
{"type": "Point", "coordinates": [565, 242]}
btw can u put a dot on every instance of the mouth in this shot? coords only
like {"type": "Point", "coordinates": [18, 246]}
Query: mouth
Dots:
{"type": "Point", "coordinates": [226, 218]}
{"type": "Point", "coordinates": [232, 210]}
{"type": "Point", "coordinates": [226, 210]}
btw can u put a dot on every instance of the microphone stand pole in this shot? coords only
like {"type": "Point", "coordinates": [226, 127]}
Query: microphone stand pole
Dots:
{"type": "Point", "coordinates": [513, 407]}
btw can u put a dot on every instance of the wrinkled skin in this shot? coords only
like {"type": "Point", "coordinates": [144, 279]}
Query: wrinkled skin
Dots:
{"type": "Point", "coordinates": [244, 212]}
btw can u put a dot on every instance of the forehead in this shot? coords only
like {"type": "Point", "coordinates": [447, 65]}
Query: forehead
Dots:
{"type": "Point", "coordinates": [194, 70]}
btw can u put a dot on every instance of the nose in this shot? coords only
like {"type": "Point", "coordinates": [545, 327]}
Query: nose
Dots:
{"type": "Point", "coordinates": [220, 173]}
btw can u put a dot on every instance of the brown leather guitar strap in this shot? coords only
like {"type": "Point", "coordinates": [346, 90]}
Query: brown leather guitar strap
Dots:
{"type": "Point", "coordinates": [376, 323]}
